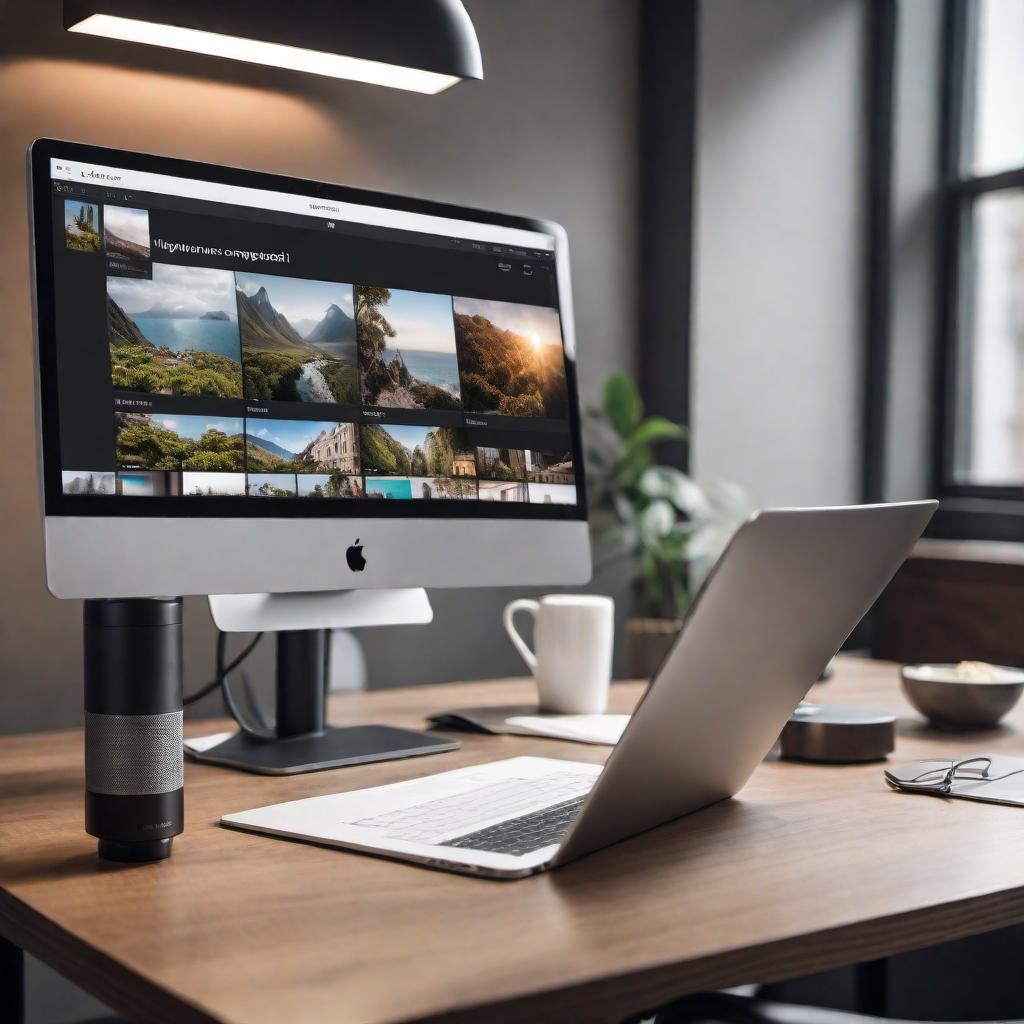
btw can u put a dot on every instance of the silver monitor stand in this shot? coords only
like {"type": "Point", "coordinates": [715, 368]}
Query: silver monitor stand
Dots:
{"type": "Point", "coordinates": [301, 739]}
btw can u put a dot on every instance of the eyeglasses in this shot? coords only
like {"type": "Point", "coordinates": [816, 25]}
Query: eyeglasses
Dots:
{"type": "Point", "coordinates": [939, 777]}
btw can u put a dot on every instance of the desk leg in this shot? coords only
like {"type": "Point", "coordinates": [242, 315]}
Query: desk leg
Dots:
{"type": "Point", "coordinates": [12, 983]}
{"type": "Point", "coordinates": [871, 987]}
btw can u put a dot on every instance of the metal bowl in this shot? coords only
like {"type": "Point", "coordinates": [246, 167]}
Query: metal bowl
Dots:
{"type": "Point", "coordinates": [952, 702]}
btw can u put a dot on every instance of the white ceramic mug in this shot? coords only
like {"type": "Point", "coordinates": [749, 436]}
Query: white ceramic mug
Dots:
{"type": "Point", "coordinates": [573, 636]}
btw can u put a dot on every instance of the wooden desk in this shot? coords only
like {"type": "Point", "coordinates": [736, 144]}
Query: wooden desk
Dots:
{"type": "Point", "coordinates": [811, 868]}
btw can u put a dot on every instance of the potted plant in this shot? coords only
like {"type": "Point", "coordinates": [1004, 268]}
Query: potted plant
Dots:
{"type": "Point", "coordinates": [653, 518]}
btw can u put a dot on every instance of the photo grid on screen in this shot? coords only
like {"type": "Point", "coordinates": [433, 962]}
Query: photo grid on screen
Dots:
{"type": "Point", "coordinates": [231, 380]}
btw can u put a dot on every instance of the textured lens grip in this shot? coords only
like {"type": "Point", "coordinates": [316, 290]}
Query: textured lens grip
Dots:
{"type": "Point", "coordinates": [133, 755]}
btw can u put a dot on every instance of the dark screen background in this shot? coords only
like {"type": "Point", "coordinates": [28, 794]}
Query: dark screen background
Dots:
{"type": "Point", "coordinates": [349, 253]}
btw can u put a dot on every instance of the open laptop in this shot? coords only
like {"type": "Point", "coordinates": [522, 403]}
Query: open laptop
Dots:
{"type": "Point", "coordinates": [789, 589]}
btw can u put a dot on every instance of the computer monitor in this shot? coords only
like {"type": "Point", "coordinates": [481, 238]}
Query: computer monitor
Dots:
{"type": "Point", "coordinates": [253, 383]}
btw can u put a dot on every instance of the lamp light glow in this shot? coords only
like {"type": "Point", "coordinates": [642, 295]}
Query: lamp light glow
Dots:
{"type": "Point", "coordinates": [257, 51]}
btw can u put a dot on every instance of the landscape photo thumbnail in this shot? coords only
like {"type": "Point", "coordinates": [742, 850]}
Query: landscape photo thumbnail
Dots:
{"type": "Point", "coordinates": [501, 463]}
{"type": "Point", "coordinates": [126, 232]}
{"type": "Point", "coordinates": [86, 482]}
{"type": "Point", "coordinates": [448, 488]}
{"type": "Point", "coordinates": [552, 494]}
{"type": "Point", "coordinates": [407, 356]}
{"type": "Point", "coordinates": [213, 485]}
{"type": "Point", "coordinates": [550, 467]}
{"type": "Point", "coordinates": [298, 339]}
{"type": "Point", "coordinates": [329, 485]}
{"type": "Point", "coordinates": [397, 487]}
{"type": "Point", "coordinates": [270, 485]}
{"type": "Point", "coordinates": [502, 490]}
{"type": "Point", "coordinates": [511, 360]}
{"type": "Point", "coordinates": [173, 442]}
{"type": "Point", "coordinates": [175, 333]}
{"type": "Point", "coordinates": [394, 450]}
{"type": "Point", "coordinates": [81, 225]}
{"type": "Point", "coordinates": [423, 488]}
{"type": "Point", "coordinates": [302, 446]}
{"type": "Point", "coordinates": [141, 483]}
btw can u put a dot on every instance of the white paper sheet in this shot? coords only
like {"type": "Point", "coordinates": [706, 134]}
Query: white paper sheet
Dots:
{"type": "Point", "coordinates": [200, 744]}
{"type": "Point", "coordinates": [604, 729]}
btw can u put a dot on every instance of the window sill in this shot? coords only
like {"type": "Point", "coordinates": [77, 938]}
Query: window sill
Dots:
{"type": "Point", "coordinates": [994, 552]}
{"type": "Point", "coordinates": [978, 519]}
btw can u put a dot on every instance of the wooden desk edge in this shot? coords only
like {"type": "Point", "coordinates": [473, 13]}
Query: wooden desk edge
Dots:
{"type": "Point", "coordinates": [122, 989]}
{"type": "Point", "coordinates": [607, 999]}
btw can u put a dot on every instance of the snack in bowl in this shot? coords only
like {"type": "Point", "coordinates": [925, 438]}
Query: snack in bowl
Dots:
{"type": "Point", "coordinates": [967, 695]}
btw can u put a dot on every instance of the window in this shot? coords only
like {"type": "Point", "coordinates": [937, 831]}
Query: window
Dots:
{"type": "Point", "coordinates": [983, 286]}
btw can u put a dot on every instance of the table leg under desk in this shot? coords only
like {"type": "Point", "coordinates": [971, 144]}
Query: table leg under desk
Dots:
{"type": "Point", "coordinates": [12, 983]}
{"type": "Point", "coordinates": [871, 987]}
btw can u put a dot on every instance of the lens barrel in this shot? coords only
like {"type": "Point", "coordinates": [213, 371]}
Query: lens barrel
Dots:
{"type": "Point", "coordinates": [134, 772]}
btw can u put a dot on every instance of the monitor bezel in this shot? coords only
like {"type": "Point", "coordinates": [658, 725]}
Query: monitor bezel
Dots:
{"type": "Point", "coordinates": [57, 504]}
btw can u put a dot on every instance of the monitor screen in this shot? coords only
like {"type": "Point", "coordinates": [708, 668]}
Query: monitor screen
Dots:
{"type": "Point", "coordinates": [215, 342]}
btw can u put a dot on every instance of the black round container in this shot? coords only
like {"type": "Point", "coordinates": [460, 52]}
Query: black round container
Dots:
{"type": "Point", "coordinates": [839, 734]}
{"type": "Point", "coordinates": [134, 795]}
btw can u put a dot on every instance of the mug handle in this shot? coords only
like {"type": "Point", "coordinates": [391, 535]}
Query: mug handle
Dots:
{"type": "Point", "coordinates": [508, 616]}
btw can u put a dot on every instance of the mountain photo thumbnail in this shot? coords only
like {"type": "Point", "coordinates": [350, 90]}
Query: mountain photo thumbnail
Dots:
{"type": "Point", "coordinates": [126, 232]}
{"type": "Point", "coordinates": [302, 446]}
{"type": "Point", "coordinates": [175, 333]}
{"type": "Point", "coordinates": [511, 360]}
{"type": "Point", "coordinates": [407, 354]}
{"type": "Point", "coordinates": [298, 339]}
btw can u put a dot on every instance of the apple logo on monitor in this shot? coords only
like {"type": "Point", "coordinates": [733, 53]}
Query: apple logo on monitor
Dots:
{"type": "Point", "coordinates": [354, 557]}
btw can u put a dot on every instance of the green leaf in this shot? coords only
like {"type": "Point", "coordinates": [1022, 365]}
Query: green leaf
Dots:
{"type": "Point", "coordinates": [656, 521]}
{"type": "Point", "coordinates": [624, 508]}
{"type": "Point", "coordinates": [675, 545]}
{"type": "Point", "coordinates": [656, 428]}
{"type": "Point", "coordinates": [631, 462]}
{"type": "Point", "coordinates": [622, 404]}
{"type": "Point", "coordinates": [675, 486]}
{"type": "Point", "coordinates": [651, 576]}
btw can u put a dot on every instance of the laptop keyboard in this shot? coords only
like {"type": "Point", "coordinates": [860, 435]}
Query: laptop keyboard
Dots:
{"type": "Point", "coordinates": [503, 817]}
{"type": "Point", "coordinates": [524, 834]}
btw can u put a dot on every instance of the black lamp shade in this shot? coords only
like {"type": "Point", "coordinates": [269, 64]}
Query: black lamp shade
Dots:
{"type": "Point", "coordinates": [424, 45]}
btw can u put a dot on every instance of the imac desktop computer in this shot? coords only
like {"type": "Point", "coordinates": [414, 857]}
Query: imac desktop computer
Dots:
{"type": "Point", "coordinates": [308, 400]}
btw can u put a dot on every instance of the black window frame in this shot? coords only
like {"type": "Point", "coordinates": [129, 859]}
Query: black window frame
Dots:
{"type": "Point", "coordinates": [970, 511]}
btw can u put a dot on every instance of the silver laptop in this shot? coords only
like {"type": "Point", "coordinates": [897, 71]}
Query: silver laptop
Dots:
{"type": "Point", "coordinates": [791, 586]}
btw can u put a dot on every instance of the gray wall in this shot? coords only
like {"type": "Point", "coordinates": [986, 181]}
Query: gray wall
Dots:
{"type": "Point", "coordinates": [777, 317]}
{"type": "Point", "coordinates": [549, 132]}
{"type": "Point", "coordinates": [910, 405]}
